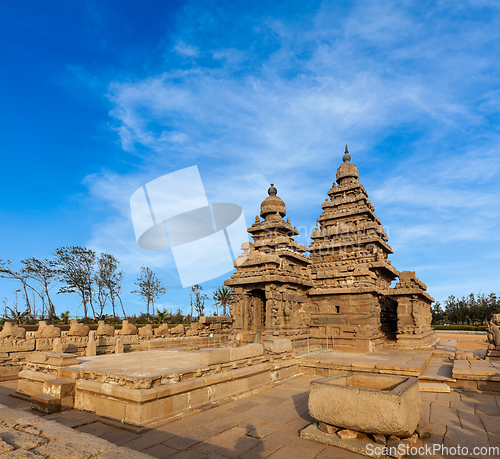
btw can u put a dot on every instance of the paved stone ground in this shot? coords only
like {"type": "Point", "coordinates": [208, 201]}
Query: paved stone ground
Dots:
{"type": "Point", "coordinates": [263, 425]}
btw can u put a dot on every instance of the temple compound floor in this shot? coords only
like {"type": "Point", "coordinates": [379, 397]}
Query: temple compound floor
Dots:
{"type": "Point", "coordinates": [264, 423]}
{"type": "Point", "coordinates": [258, 426]}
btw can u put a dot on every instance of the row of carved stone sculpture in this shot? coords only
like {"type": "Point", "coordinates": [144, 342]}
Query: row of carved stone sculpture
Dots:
{"type": "Point", "coordinates": [78, 329]}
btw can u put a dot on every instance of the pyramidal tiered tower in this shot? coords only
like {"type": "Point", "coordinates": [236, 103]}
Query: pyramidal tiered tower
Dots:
{"type": "Point", "coordinates": [342, 292]}
{"type": "Point", "coordinates": [271, 280]}
{"type": "Point", "coordinates": [349, 266]}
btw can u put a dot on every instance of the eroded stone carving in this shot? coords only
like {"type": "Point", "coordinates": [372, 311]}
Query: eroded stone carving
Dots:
{"type": "Point", "coordinates": [147, 330]}
{"type": "Point", "coordinates": [162, 330]}
{"type": "Point", "coordinates": [47, 331]}
{"type": "Point", "coordinates": [494, 337]}
{"type": "Point", "coordinates": [78, 329]}
{"type": "Point", "coordinates": [12, 331]}
{"type": "Point", "coordinates": [104, 330]}
{"type": "Point", "coordinates": [127, 328]}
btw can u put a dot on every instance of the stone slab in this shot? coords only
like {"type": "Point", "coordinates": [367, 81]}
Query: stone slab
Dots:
{"type": "Point", "coordinates": [278, 345]}
{"type": "Point", "coordinates": [245, 352]}
{"type": "Point", "coordinates": [434, 387]}
{"type": "Point", "coordinates": [145, 364]}
{"type": "Point", "coordinates": [312, 432]}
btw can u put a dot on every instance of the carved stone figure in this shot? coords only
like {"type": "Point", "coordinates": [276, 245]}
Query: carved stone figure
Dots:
{"type": "Point", "coordinates": [147, 330]}
{"type": "Point", "coordinates": [162, 330]}
{"type": "Point", "coordinates": [494, 332]}
{"type": "Point", "coordinates": [127, 328]}
{"type": "Point", "coordinates": [12, 331]}
{"type": "Point", "coordinates": [47, 331]}
{"type": "Point", "coordinates": [78, 329]}
{"type": "Point", "coordinates": [177, 330]}
{"type": "Point", "coordinates": [104, 330]}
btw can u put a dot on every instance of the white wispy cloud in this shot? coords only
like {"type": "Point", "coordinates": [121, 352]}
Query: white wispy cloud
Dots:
{"type": "Point", "coordinates": [377, 71]}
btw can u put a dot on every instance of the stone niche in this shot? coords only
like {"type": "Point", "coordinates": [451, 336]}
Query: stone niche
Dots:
{"type": "Point", "coordinates": [367, 402]}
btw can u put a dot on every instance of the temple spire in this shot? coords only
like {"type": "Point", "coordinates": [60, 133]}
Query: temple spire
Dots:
{"type": "Point", "coordinates": [272, 191]}
{"type": "Point", "coordinates": [347, 156]}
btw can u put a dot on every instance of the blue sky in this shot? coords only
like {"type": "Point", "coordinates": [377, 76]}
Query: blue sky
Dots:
{"type": "Point", "coordinates": [98, 98]}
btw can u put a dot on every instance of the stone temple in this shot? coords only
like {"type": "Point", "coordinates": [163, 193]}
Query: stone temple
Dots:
{"type": "Point", "coordinates": [342, 291]}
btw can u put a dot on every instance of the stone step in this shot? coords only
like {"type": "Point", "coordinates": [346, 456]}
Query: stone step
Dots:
{"type": "Point", "coordinates": [437, 372]}
{"type": "Point", "coordinates": [434, 387]}
{"type": "Point", "coordinates": [445, 349]}
{"type": "Point", "coordinates": [45, 403]}
{"type": "Point", "coordinates": [59, 388]}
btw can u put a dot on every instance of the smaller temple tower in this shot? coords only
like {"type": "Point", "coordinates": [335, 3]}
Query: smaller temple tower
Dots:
{"type": "Point", "coordinates": [271, 282]}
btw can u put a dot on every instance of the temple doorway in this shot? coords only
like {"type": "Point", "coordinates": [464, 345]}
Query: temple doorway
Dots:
{"type": "Point", "coordinates": [259, 308]}
{"type": "Point", "coordinates": [388, 317]}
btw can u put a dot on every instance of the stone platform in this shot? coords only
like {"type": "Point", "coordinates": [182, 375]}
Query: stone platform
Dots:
{"type": "Point", "coordinates": [149, 388]}
{"type": "Point", "coordinates": [259, 425]}
{"type": "Point", "coordinates": [387, 361]}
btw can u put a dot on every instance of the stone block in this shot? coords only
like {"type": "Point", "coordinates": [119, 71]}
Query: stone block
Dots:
{"type": "Point", "coordinates": [57, 346]}
{"type": "Point", "coordinates": [119, 346]}
{"type": "Point", "coordinates": [38, 357]}
{"type": "Point", "coordinates": [10, 372]}
{"type": "Point", "coordinates": [246, 352]}
{"type": "Point", "coordinates": [59, 388]}
{"type": "Point", "coordinates": [278, 345]}
{"type": "Point", "coordinates": [45, 403]}
{"type": "Point", "coordinates": [359, 445]}
{"type": "Point", "coordinates": [369, 403]}
{"type": "Point", "coordinates": [177, 330]}
{"type": "Point", "coordinates": [17, 345]}
{"type": "Point", "coordinates": [61, 360]}
{"type": "Point", "coordinates": [145, 331]}
{"type": "Point", "coordinates": [162, 330]}
{"type": "Point", "coordinates": [215, 356]}
{"type": "Point", "coordinates": [114, 409]}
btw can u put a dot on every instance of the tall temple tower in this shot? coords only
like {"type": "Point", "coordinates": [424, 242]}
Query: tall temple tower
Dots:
{"type": "Point", "coordinates": [271, 281]}
{"type": "Point", "coordinates": [343, 291]}
{"type": "Point", "coordinates": [349, 267]}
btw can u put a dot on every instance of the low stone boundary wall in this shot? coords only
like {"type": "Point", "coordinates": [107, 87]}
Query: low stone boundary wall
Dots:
{"type": "Point", "coordinates": [476, 375]}
{"type": "Point", "coordinates": [56, 381]}
{"type": "Point", "coordinates": [16, 352]}
{"type": "Point", "coordinates": [158, 404]}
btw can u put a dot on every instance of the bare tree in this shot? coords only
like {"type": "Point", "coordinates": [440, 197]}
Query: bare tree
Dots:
{"type": "Point", "coordinates": [7, 272]}
{"type": "Point", "coordinates": [108, 281]}
{"type": "Point", "coordinates": [44, 272]}
{"type": "Point", "coordinates": [150, 288]}
{"type": "Point", "coordinates": [76, 269]}
{"type": "Point", "coordinates": [198, 299]}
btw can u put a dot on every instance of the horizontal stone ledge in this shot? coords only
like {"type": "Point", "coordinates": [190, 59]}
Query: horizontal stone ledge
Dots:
{"type": "Point", "coordinates": [344, 290]}
{"type": "Point", "coordinates": [269, 278]}
{"type": "Point", "coordinates": [139, 396]}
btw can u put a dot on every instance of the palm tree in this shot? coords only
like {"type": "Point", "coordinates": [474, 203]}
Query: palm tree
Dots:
{"type": "Point", "coordinates": [223, 296]}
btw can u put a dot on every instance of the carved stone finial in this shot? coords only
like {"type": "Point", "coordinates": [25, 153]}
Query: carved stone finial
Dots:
{"type": "Point", "coordinates": [257, 219]}
{"type": "Point", "coordinates": [347, 156]}
{"type": "Point", "coordinates": [272, 191]}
